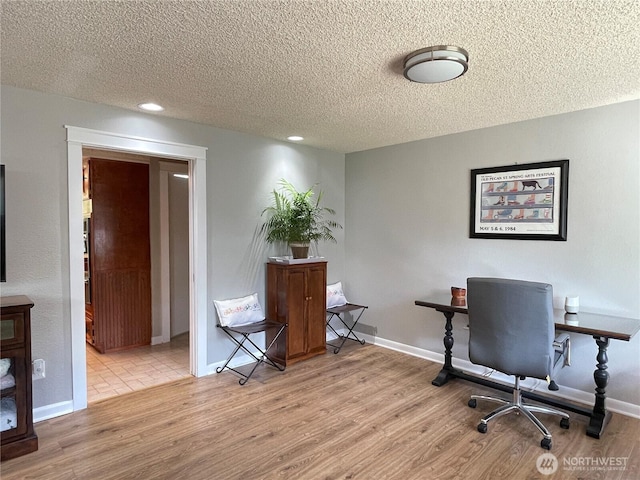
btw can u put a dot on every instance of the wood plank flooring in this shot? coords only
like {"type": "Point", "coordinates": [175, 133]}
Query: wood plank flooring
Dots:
{"type": "Point", "coordinates": [366, 413]}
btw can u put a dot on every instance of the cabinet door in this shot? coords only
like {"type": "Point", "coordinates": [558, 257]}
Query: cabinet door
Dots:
{"type": "Point", "coordinates": [315, 309]}
{"type": "Point", "coordinates": [296, 305]}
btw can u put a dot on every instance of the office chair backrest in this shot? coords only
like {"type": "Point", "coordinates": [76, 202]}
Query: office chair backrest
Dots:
{"type": "Point", "coordinates": [511, 327]}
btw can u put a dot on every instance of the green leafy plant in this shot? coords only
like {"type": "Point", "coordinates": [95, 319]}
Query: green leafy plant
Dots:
{"type": "Point", "coordinates": [298, 217]}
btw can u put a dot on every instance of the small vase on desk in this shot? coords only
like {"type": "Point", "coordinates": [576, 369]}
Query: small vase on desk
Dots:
{"type": "Point", "coordinates": [458, 297]}
{"type": "Point", "coordinates": [572, 304]}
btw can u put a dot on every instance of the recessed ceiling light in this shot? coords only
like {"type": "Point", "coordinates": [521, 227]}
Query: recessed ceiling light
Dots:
{"type": "Point", "coordinates": [295, 138]}
{"type": "Point", "coordinates": [151, 107]}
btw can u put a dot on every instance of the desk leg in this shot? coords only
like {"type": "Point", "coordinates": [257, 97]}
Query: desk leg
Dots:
{"type": "Point", "coordinates": [600, 416]}
{"type": "Point", "coordinates": [445, 374]}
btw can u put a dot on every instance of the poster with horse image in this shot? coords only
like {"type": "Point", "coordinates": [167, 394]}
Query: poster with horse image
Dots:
{"type": "Point", "coordinates": [520, 202]}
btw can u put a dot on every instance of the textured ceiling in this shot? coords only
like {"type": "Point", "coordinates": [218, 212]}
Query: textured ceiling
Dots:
{"type": "Point", "coordinates": [328, 70]}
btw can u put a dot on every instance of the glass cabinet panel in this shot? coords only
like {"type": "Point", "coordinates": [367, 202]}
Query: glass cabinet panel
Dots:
{"type": "Point", "coordinates": [11, 330]}
{"type": "Point", "coordinates": [7, 329]}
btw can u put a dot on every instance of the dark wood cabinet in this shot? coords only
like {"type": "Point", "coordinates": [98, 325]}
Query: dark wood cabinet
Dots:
{"type": "Point", "coordinates": [296, 295]}
{"type": "Point", "coordinates": [17, 436]}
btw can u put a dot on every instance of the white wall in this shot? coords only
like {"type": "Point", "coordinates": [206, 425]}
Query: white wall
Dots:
{"type": "Point", "coordinates": [179, 253]}
{"type": "Point", "coordinates": [408, 231]}
{"type": "Point", "coordinates": [241, 170]}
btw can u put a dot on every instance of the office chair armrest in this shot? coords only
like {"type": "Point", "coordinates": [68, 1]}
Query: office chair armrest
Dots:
{"type": "Point", "coordinates": [562, 345]}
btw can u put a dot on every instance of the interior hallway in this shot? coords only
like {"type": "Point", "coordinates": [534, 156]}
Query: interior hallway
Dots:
{"type": "Point", "coordinates": [112, 374]}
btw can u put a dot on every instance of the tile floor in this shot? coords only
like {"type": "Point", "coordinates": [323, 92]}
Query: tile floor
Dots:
{"type": "Point", "coordinates": [113, 374]}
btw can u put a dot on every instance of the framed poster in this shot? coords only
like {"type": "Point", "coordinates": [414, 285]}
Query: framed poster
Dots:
{"type": "Point", "coordinates": [520, 202]}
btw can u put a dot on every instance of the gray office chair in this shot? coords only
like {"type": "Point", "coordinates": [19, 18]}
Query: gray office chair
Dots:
{"type": "Point", "coordinates": [511, 329]}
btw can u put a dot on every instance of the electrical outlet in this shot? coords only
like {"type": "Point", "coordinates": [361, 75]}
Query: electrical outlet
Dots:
{"type": "Point", "coordinates": [38, 369]}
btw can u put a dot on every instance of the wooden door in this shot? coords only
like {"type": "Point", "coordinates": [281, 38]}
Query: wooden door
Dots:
{"type": "Point", "coordinates": [120, 257]}
{"type": "Point", "coordinates": [296, 305]}
{"type": "Point", "coordinates": [316, 308]}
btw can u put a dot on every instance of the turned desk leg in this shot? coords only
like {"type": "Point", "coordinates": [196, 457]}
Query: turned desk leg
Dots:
{"type": "Point", "coordinates": [445, 374]}
{"type": "Point", "coordinates": [600, 416]}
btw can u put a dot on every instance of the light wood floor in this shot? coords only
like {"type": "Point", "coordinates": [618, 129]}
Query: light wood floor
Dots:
{"type": "Point", "coordinates": [366, 413]}
{"type": "Point", "coordinates": [113, 374]}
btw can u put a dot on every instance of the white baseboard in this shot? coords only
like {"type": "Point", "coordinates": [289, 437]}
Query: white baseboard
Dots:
{"type": "Point", "coordinates": [539, 386]}
{"type": "Point", "coordinates": [157, 340]}
{"type": "Point", "coordinates": [239, 360]}
{"type": "Point", "coordinates": [243, 359]}
{"type": "Point", "coordinates": [566, 393]}
{"type": "Point", "coordinates": [52, 411]}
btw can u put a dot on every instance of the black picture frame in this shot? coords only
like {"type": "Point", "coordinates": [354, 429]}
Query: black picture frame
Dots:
{"type": "Point", "coordinates": [3, 235]}
{"type": "Point", "coordinates": [520, 202]}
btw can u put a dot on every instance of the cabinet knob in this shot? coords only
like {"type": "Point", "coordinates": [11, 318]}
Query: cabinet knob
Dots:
{"type": "Point", "coordinates": [308, 298]}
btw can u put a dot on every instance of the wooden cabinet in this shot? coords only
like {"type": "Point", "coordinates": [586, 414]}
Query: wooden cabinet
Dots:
{"type": "Point", "coordinates": [296, 295]}
{"type": "Point", "coordinates": [17, 435]}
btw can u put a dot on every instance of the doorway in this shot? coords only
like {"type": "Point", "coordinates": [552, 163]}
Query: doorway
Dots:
{"type": "Point", "coordinates": [138, 211]}
{"type": "Point", "coordinates": [195, 156]}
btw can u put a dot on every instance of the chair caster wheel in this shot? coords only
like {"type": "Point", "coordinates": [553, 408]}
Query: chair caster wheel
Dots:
{"type": "Point", "coordinates": [546, 443]}
{"type": "Point", "coordinates": [473, 403]}
{"type": "Point", "coordinates": [564, 423]}
{"type": "Point", "coordinates": [482, 427]}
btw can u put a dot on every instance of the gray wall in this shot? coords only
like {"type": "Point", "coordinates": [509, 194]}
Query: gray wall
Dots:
{"type": "Point", "coordinates": [406, 222]}
{"type": "Point", "coordinates": [179, 253]}
{"type": "Point", "coordinates": [407, 208]}
{"type": "Point", "coordinates": [241, 171]}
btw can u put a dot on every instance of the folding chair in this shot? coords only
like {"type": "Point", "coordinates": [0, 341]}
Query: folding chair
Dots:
{"type": "Point", "coordinates": [338, 306]}
{"type": "Point", "coordinates": [240, 318]}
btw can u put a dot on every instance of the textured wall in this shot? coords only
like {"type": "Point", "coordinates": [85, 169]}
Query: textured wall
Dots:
{"type": "Point", "coordinates": [241, 170]}
{"type": "Point", "coordinates": [408, 217]}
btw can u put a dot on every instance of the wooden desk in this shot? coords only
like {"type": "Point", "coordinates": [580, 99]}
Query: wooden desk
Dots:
{"type": "Point", "coordinates": [601, 327]}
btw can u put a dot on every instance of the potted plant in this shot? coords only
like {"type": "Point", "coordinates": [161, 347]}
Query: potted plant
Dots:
{"type": "Point", "coordinates": [297, 219]}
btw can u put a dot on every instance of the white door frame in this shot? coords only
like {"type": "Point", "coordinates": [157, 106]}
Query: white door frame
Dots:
{"type": "Point", "coordinates": [77, 138]}
{"type": "Point", "coordinates": [166, 170]}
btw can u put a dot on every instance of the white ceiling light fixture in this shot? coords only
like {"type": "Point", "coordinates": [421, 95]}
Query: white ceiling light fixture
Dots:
{"type": "Point", "coordinates": [151, 107]}
{"type": "Point", "coordinates": [295, 138]}
{"type": "Point", "coordinates": [436, 64]}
